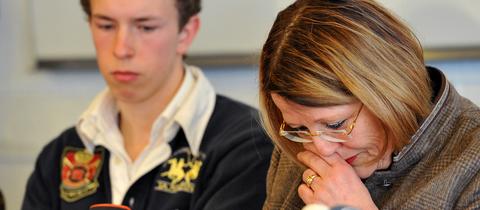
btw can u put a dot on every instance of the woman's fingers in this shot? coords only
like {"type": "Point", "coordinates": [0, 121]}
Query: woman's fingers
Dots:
{"type": "Point", "coordinates": [306, 194]}
{"type": "Point", "coordinates": [313, 161]}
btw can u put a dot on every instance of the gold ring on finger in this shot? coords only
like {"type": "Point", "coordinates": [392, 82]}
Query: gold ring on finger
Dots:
{"type": "Point", "coordinates": [310, 179]}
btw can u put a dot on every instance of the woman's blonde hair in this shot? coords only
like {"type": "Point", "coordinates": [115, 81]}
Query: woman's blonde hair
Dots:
{"type": "Point", "coordinates": [332, 52]}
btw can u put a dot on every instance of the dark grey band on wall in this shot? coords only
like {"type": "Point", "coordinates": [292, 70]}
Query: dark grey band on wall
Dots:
{"type": "Point", "coordinates": [204, 61]}
{"type": "Point", "coordinates": [249, 59]}
{"type": "Point", "coordinates": [452, 53]}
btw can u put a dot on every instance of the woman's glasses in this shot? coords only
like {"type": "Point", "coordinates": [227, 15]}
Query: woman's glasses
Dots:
{"type": "Point", "coordinates": [305, 136]}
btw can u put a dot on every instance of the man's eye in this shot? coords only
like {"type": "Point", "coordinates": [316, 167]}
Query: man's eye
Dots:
{"type": "Point", "coordinates": [105, 26]}
{"type": "Point", "coordinates": [147, 28]}
{"type": "Point", "coordinates": [336, 125]}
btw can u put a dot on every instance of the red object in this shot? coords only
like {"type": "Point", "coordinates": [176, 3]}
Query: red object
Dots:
{"type": "Point", "coordinates": [108, 206]}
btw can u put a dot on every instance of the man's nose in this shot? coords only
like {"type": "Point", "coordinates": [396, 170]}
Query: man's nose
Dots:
{"type": "Point", "coordinates": [123, 48]}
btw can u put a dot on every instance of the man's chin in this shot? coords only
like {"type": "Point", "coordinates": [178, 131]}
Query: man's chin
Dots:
{"type": "Point", "coordinates": [126, 96]}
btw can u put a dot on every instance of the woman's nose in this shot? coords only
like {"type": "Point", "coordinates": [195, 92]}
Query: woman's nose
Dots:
{"type": "Point", "coordinates": [325, 147]}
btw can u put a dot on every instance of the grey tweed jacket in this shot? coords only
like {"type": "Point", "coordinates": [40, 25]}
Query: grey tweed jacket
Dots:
{"type": "Point", "coordinates": [439, 169]}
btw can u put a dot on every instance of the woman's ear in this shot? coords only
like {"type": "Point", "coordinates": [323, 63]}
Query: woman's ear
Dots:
{"type": "Point", "coordinates": [187, 34]}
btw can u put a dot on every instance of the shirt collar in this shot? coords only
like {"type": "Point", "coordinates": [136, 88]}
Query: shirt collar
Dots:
{"type": "Point", "coordinates": [196, 110]}
{"type": "Point", "coordinates": [100, 116]}
{"type": "Point", "coordinates": [191, 108]}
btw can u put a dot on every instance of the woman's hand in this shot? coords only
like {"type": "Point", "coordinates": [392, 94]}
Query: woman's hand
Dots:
{"type": "Point", "coordinates": [335, 182]}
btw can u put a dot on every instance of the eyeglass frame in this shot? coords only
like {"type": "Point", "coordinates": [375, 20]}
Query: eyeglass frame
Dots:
{"type": "Point", "coordinates": [298, 139]}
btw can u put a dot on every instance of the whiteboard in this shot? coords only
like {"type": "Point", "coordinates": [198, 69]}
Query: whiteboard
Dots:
{"type": "Point", "coordinates": [227, 27]}
{"type": "Point", "coordinates": [441, 23]}
{"type": "Point", "coordinates": [241, 26]}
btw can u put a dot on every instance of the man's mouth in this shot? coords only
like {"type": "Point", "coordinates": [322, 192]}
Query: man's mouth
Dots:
{"type": "Point", "coordinates": [125, 76]}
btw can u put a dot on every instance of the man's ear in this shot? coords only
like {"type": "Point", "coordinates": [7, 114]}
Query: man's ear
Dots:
{"type": "Point", "coordinates": [187, 34]}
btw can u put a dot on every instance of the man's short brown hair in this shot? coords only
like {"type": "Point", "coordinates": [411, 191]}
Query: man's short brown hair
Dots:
{"type": "Point", "coordinates": [185, 8]}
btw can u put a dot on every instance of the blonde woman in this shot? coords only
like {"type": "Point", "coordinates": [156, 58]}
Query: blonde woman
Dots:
{"type": "Point", "coordinates": [357, 117]}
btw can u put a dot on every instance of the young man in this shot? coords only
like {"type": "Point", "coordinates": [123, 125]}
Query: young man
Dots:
{"type": "Point", "coordinates": [158, 137]}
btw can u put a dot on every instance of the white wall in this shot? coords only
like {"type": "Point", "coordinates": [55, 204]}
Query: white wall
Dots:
{"type": "Point", "coordinates": [37, 105]}
{"type": "Point", "coordinates": [246, 22]}
{"type": "Point", "coordinates": [242, 26]}
{"type": "Point", "coordinates": [441, 23]}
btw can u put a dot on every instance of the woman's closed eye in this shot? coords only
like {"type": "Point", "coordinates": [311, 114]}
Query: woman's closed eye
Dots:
{"type": "Point", "coordinates": [336, 125]}
{"type": "Point", "coordinates": [301, 128]}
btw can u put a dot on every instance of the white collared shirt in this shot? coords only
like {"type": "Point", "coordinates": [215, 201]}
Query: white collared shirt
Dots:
{"type": "Point", "coordinates": [190, 109]}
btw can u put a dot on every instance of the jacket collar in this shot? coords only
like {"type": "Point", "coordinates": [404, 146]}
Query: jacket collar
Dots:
{"type": "Point", "coordinates": [429, 135]}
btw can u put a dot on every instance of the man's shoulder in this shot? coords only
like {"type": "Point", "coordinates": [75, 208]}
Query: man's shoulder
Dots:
{"type": "Point", "coordinates": [226, 107]}
{"type": "Point", "coordinates": [230, 115]}
{"type": "Point", "coordinates": [67, 139]}
{"type": "Point", "coordinates": [234, 123]}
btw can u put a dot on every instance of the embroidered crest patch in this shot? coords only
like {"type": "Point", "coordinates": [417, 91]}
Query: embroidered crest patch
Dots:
{"type": "Point", "coordinates": [179, 172]}
{"type": "Point", "coordinates": [79, 173]}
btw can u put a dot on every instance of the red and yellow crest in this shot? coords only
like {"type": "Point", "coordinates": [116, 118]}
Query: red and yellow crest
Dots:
{"type": "Point", "coordinates": [79, 173]}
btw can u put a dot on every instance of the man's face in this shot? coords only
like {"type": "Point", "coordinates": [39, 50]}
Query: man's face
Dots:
{"type": "Point", "coordinates": [139, 46]}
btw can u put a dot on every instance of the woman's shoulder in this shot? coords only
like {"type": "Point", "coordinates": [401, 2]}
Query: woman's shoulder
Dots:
{"type": "Point", "coordinates": [470, 195]}
{"type": "Point", "coordinates": [284, 176]}
{"type": "Point", "coordinates": [467, 125]}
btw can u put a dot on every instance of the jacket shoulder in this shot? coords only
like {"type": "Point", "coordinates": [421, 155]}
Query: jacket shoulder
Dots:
{"type": "Point", "coordinates": [227, 108]}
{"type": "Point", "coordinates": [42, 190]}
{"type": "Point", "coordinates": [68, 138]}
